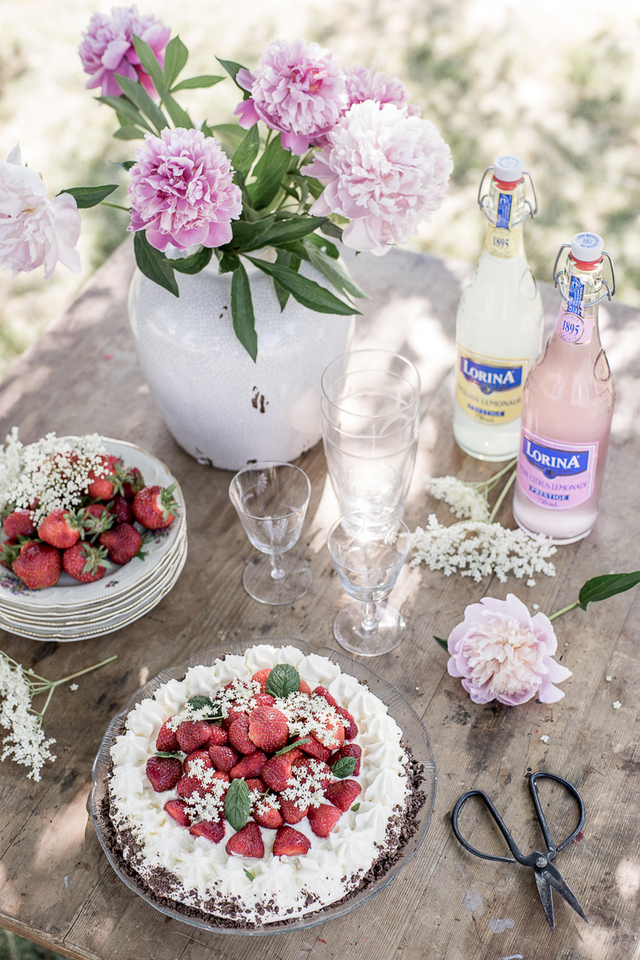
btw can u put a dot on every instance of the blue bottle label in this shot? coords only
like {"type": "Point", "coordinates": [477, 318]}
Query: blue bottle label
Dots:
{"type": "Point", "coordinates": [501, 240]}
{"type": "Point", "coordinates": [489, 390]}
{"type": "Point", "coordinates": [556, 475]}
{"type": "Point", "coordinates": [503, 217]}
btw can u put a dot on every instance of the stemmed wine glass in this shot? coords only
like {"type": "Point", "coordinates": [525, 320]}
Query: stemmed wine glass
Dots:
{"type": "Point", "coordinates": [271, 499]}
{"type": "Point", "coordinates": [368, 553]}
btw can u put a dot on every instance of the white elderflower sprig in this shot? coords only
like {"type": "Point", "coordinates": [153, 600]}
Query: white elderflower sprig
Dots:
{"type": "Point", "coordinates": [25, 741]}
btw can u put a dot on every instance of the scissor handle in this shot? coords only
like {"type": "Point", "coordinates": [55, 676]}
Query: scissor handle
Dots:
{"type": "Point", "coordinates": [517, 855]}
{"type": "Point", "coordinates": [552, 848]}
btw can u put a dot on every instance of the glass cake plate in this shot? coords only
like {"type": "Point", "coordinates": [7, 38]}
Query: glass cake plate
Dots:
{"type": "Point", "coordinates": [415, 737]}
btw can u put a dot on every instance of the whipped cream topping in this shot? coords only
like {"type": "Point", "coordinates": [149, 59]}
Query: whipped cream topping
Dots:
{"type": "Point", "coordinates": [201, 873]}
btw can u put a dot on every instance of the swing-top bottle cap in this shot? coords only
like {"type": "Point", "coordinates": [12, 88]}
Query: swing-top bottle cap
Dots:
{"type": "Point", "coordinates": [507, 169]}
{"type": "Point", "coordinates": [587, 247]}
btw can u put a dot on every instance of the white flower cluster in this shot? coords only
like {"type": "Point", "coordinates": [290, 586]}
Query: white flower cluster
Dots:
{"type": "Point", "coordinates": [479, 549]}
{"type": "Point", "coordinates": [464, 499]}
{"type": "Point", "coordinates": [25, 741]}
{"type": "Point", "coordinates": [51, 473]}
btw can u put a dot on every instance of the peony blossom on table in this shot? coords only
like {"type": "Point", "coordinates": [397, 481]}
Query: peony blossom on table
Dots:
{"type": "Point", "coordinates": [107, 48]}
{"type": "Point", "coordinates": [35, 230]}
{"type": "Point", "coordinates": [182, 191]}
{"type": "Point", "coordinates": [297, 89]}
{"type": "Point", "coordinates": [384, 171]}
{"type": "Point", "coordinates": [503, 653]}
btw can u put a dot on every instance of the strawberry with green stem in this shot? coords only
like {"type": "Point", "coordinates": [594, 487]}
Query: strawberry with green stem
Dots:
{"type": "Point", "coordinates": [155, 507]}
{"type": "Point", "coordinates": [38, 565]}
{"type": "Point", "coordinates": [85, 562]}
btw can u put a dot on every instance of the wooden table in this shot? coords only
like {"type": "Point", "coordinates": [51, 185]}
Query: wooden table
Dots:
{"type": "Point", "coordinates": [57, 887]}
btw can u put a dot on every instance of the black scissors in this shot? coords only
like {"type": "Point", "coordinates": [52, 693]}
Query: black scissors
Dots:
{"type": "Point", "coordinates": [546, 875]}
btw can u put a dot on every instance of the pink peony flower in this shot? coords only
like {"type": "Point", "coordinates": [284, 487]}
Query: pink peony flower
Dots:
{"type": "Point", "coordinates": [382, 170]}
{"type": "Point", "coordinates": [297, 89]}
{"type": "Point", "coordinates": [107, 48]}
{"type": "Point", "coordinates": [505, 654]}
{"type": "Point", "coordinates": [35, 230]}
{"type": "Point", "coordinates": [364, 84]}
{"type": "Point", "coordinates": [182, 190]}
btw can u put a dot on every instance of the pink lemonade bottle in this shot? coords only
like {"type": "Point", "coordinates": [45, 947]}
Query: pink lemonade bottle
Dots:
{"type": "Point", "coordinates": [567, 406]}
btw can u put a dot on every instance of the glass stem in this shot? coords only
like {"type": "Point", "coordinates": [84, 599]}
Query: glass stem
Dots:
{"type": "Point", "coordinates": [369, 621]}
{"type": "Point", "coordinates": [277, 570]}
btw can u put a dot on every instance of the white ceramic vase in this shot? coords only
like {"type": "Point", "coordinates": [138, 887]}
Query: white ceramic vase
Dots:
{"type": "Point", "coordinates": [221, 407]}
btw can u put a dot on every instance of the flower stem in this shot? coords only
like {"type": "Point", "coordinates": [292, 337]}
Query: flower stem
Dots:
{"type": "Point", "coordinates": [116, 206]}
{"type": "Point", "coordinates": [559, 613]}
{"type": "Point", "coordinates": [51, 685]}
{"type": "Point", "coordinates": [503, 494]}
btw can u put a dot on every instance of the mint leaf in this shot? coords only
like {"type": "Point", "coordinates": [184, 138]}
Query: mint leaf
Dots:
{"type": "Point", "coordinates": [283, 680]}
{"type": "Point", "coordinates": [167, 753]}
{"type": "Point", "coordinates": [344, 767]}
{"type": "Point", "coordinates": [601, 588]}
{"type": "Point", "coordinates": [292, 746]}
{"type": "Point", "coordinates": [237, 804]}
{"type": "Point", "coordinates": [199, 702]}
{"type": "Point", "coordinates": [249, 875]}
{"type": "Point", "coordinates": [355, 807]}
{"type": "Point", "coordinates": [443, 643]}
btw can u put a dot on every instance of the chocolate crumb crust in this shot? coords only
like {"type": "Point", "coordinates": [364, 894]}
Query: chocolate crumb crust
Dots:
{"type": "Point", "coordinates": [162, 889]}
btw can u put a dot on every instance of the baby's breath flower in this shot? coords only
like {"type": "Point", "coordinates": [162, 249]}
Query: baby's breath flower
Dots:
{"type": "Point", "coordinates": [464, 499]}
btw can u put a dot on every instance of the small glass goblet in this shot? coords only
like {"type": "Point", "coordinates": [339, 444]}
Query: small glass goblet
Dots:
{"type": "Point", "coordinates": [271, 499]}
{"type": "Point", "coordinates": [368, 553]}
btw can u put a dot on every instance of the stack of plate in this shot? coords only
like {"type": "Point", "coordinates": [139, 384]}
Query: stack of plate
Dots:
{"type": "Point", "coordinates": [75, 611]}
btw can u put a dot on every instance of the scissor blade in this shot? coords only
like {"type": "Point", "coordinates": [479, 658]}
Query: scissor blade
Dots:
{"type": "Point", "coordinates": [545, 896]}
{"type": "Point", "coordinates": [553, 876]}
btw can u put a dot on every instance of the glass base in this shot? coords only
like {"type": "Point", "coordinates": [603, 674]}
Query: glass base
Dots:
{"type": "Point", "coordinates": [262, 586]}
{"type": "Point", "coordinates": [385, 635]}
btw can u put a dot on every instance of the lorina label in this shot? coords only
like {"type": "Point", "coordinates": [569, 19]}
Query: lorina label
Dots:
{"type": "Point", "coordinates": [488, 390]}
{"type": "Point", "coordinates": [556, 475]}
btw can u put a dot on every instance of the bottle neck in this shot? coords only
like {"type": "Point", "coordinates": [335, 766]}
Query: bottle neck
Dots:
{"type": "Point", "coordinates": [581, 285]}
{"type": "Point", "coordinates": [506, 210]}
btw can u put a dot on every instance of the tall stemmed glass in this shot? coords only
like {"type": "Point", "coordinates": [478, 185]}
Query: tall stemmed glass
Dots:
{"type": "Point", "coordinates": [368, 553]}
{"type": "Point", "coordinates": [271, 499]}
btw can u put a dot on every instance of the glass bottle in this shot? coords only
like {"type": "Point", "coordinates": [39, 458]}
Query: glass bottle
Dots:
{"type": "Point", "coordinates": [568, 405]}
{"type": "Point", "coordinates": [499, 323]}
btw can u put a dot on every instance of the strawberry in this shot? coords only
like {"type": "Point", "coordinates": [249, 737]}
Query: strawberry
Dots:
{"type": "Point", "coordinates": [261, 700]}
{"type": "Point", "coordinates": [255, 783]}
{"type": "Point", "coordinates": [60, 528]}
{"type": "Point", "coordinates": [324, 693]}
{"type": "Point", "coordinates": [84, 562]}
{"type": "Point", "coordinates": [323, 819]}
{"type": "Point", "coordinates": [304, 687]}
{"type": "Point", "coordinates": [106, 479]}
{"type": "Point", "coordinates": [315, 748]}
{"type": "Point", "coordinates": [269, 817]}
{"type": "Point", "coordinates": [187, 786]}
{"type": "Point", "coordinates": [196, 761]}
{"type": "Point", "coordinates": [250, 766]}
{"type": "Point", "coordinates": [223, 757]}
{"type": "Point", "coordinates": [351, 731]}
{"type": "Point", "coordinates": [192, 734]}
{"type": "Point", "coordinates": [213, 830]}
{"type": "Point", "coordinates": [276, 772]}
{"type": "Point", "coordinates": [166, 741]}
{"type": "Point", "coordinates": [348, 750]}
{"type": "Point", "coordinates": [218, 735]}
{"type": "Point", "coordinates": [120, 510]}
{"type": "Point", "coordinates": [179, 811]}
{"type": "Point", "coordinates": [268, 728]}
{"type": "Point", "coordinates": [342, 793]}
{"type": "Point", "coordinates": [290, 843]}
{"type": "Point", "coordinates": [331, 734]}
{"type": "Point", "coordinates": [95, 519]}
{"type": "Point", "coordinates": [163, 773]}
{"type": "Point", "coordinates": [132, 483]}
{"type": "Point", "coordinates": [155, 507]}
{"type": "Point", "coordinates": [122, 543]}
{"type": "Point", "coordinates": [235, 711]}
{"type": "Point", "coordinates": [247, 842]}
{"type": "Point", "coordinates": [292, 811]}
{"type": "Point", "coordinates": [19, 524]}
{"type": "Point", "coordinates": [38, 565]}
{"type": "Point", "coordinates": [260, 677]}
{"type": "Point", "coordinates": [239, 735]}
{"type": "Point", "coordinates": [304, 768]}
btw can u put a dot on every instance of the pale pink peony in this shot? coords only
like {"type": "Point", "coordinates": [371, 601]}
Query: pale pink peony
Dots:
{"type": "Point", "coordinates": [367, 84]}
{"type": "Point", "coordinates": [503, 653]}
{"type": "Point", "coordinates": [382, 170]}
{"type": "Point", "coordinates": [35, 230]}
{"type": "Point", "coordinates": [107, 48]}
{"type": "Point", "coordinates": [297, 89]}
{"type": "Point", "coordinates": [182, 190]}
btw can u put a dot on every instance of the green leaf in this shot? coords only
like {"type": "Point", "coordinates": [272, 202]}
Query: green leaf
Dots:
{"type": "Point", "coordinates": [139, 96]}
{"type": "Point", "coordinates": [230, 133]}
{"type": "Point", "coordinates": [152, 263]}
{"type": "Point", "coordinates": [179, 116]}
{"type": "Point", "coordinates": [292, 746]}
{"type": "Point", "coordinates": [167, 753]}
{"type": "Point", "coordinates": [228, 263]}
{"type": "Point", "coordinates": [443, 643]}
{"type": "Point", "coordinates": [344, 767]}
{"type": "Point", "coordinates": [232, 69]}
{"type": "Point", "coordinates": [245, 154]}
{"type": "Point", "coordinates": [214, 710]}
{"type": "Point", "coordinates": [307, 292]}
{"type": "Point", "coordinates": [601, 588]}
{"type": "Point", "coordinates": [237, 804]}
{"type": "Point", "coordinates": [286, 231]}
{"type": "Point", "coordinates": [126, 164]}
{"type": "Point", "coordinates": [149, 61]}
{"type": "Point", "coordinates": [249, 875]}
{"type": "Point", "coordinates": [193, 264]}
{"type": "Point", "coordinates": [328, 267]}
{"type": "Point", "coordinates": [125, 109]}
{"type": "Point", "coordinates": [246, 232]}
{"type": "Point", "coordinates": [326, 246]}
{"type": "Point", "coordinates": [129, 132]}
{"type": "Point", "coordinates": [331, 229]}
{"type": "Point", "coordinates": [269, 171]}
{"type": "Point", "coordinates": [90, 196]}
{"type": "Point", "coordinates": [175, 59]}
{"type": "Point", "coordinates": [283, 680]}
{"type": "Point", "coordinates": [195, 83]}
{"type": "Point", "coordinates": [285, 259]}
{"type": "Point", "coordinates": [355, 807]}
{"type": "Point", "coordinates": [244, 322]}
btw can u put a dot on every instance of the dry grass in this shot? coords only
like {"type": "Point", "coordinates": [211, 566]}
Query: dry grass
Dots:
{"type": "Point", "coordinates": [553, 82]}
